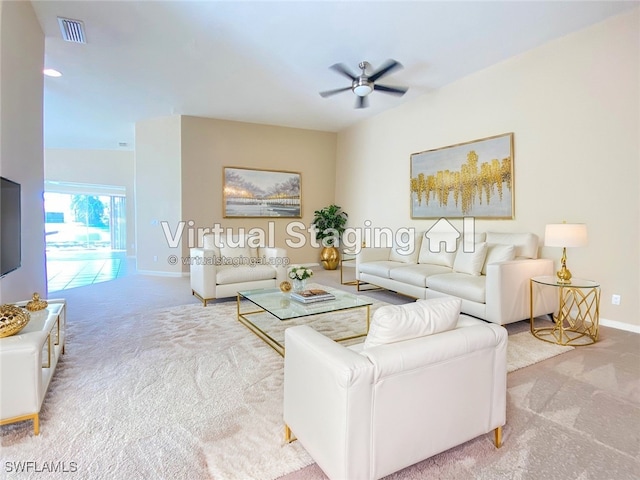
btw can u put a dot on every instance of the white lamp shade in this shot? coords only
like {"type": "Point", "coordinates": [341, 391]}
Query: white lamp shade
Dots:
{"type": "Point", "coordinates": [565, 235]}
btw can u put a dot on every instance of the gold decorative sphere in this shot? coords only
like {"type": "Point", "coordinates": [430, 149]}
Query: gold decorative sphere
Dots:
{"type": "Point", "coordinates": [285, 286]}
{"type": "Point", "coordinates": [36, 304]}
{"type": "Point", "coordinates": [12, 320]}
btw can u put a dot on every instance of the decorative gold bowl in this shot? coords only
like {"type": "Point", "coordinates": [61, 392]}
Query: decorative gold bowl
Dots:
{"type": "Point", "coordinates": [12, 319]}
{"type": "Point", "coordinates": [285, 286]}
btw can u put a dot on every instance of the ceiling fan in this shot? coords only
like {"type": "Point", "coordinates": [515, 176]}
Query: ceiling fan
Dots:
{"type": "Point", "coordinates": [363, 84]}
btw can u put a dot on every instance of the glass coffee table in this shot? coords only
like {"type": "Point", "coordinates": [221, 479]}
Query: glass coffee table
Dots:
{"type": "Point", "coordinates": [278, 311]}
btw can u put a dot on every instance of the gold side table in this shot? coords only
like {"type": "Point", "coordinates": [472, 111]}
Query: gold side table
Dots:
{"type": "Point", "coordinates": [575, 322]}
{"type": "Point", "coordinates": [350, 259]}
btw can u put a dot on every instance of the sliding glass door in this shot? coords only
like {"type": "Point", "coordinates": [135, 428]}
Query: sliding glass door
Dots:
{"type": "Point", "coordinates": [86, 234]}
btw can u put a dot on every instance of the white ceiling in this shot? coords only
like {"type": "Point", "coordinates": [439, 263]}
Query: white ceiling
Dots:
{"type": "Point", "coordinates": [266, 61]}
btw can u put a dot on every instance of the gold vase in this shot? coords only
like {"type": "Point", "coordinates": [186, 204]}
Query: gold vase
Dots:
{"type": "Point", "coordinates": [330, 257]}
{"type": "Point", "coordinates": [12, 320]}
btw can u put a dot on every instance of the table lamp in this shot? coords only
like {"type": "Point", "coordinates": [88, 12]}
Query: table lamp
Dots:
{"type": "Point", "coordinates": [565, 235]}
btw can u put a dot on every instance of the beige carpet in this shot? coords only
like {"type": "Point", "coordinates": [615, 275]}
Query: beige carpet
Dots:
{"type": "Point", "coordinates": [182, 392]}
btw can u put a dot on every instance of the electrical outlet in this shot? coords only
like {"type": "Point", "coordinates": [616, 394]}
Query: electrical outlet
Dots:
{"type": "Point", "coordinates": [155, 258]}
{"type": "Point", "coordinates": [615, 299]}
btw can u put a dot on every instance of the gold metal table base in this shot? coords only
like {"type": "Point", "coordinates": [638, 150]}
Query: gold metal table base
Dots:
{"type": "Point", "coordinates": [277, 346]}
{"type": "Point", "coordinates": [342, 262]}
{"type": "Point", "coordinates": [564, 336]}
{"type": "Point", "coordinates": [576, 321]}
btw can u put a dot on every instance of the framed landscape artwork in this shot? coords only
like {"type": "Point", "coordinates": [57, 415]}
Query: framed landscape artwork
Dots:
{"type": "Point", "coordinates": [471, 179]}
{"type": "Point", "coordinates": [261, 193]}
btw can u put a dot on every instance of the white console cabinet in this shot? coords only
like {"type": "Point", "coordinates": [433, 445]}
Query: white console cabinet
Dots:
{"type": "Point", "coordinates": [27, 362]}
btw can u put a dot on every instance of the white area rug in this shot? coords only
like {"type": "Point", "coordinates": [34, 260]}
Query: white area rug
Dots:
{"type": "Point", "coordinates": [185, 392]}
{"type": "Point", "coordinates": [524, 349]}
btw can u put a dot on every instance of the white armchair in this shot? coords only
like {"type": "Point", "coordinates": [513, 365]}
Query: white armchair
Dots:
{"type": "Point", "coordinates": [219, 270]}
{"type": "Point", "coordinates": [364, 415]}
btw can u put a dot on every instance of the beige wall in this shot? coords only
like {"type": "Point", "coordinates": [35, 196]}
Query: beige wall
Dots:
{"type": "Point", "coordinates": [573, 105]}
{"type": "Point", "coordinates": [208, 145]}
{"type": "Point", "coordinates": [21, 159]}
{"type": "Point", "coordinates": [98, 167]}
{"type": "Point", "coordinates": [158, 193]}
{"type": "Point", "coordinates": [179, 165]}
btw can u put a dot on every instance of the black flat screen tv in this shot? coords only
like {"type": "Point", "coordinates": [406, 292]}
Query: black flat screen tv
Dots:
{"type": "Point", "coordinates": [10, 226]}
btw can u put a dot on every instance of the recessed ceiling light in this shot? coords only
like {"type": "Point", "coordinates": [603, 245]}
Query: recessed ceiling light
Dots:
{"type": "Point", "coordinates": [50, 72]}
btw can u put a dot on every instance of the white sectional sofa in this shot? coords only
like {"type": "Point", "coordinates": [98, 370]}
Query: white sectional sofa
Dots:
{"type": "Point", "coordinates": [223, 268]}
{"type": "Point", "coordinates": [492, 280]}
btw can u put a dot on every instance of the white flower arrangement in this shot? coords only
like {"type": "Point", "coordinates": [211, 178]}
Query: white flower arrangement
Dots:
{"type": "Point", "coordinates": [300, 273]}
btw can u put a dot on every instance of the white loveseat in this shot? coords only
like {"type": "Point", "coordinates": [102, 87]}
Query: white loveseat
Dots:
{"type": "Point", "coordinates": [223, 267]}
{"type": "Point", "coordinates": [492, 281]}
{"type": "Point", "coordinates": [364, 412]}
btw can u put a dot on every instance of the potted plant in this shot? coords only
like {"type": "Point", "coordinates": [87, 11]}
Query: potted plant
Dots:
{"type": "Point", "coordinates": [329, 225]}
{"type": "Point", "coordinates": [299, 275]}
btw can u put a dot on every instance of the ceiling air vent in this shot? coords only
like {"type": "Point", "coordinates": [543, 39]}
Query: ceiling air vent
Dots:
{"type": "Point", "coordinates": [72, 30]}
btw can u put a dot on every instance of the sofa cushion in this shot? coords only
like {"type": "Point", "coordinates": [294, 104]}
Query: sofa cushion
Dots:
{"type": "Point", "coordinates": [498, 253]}
{"type": "Point", "coordinates": [442, 257]}
{"type": "Point", "coordinates": [526, 244]}
{"type": "Point", "coordinates": [244, 273]}
{"type": "Point", "coordinates": [468, 321]}
{"type": "Point", "coordinates": [235, 252]}
{"type": "Point", "coordinates": [406, 253]}
{"type": "Point", "coordinates": [396, 323]}
{"type": "Point", "coordinates": [468, 287]}
{"type": "Point", "coordinates": [381, 268]}
{"type": "Point", "coordinates": [471, 262]}
{"type": "Point", "coordinates": [209, 242]}
{"type": "Point", "coordinates": [417, 274]}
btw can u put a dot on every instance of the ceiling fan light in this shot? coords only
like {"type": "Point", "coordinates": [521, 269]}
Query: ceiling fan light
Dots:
{"type": "Point", "coordinates": [362, 90]}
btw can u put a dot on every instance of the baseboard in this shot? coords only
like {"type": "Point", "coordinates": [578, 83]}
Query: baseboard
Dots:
{"type": "Point", "coordinates": [156, 273]}
{"type": "Point", "coordinates": [620, 325]}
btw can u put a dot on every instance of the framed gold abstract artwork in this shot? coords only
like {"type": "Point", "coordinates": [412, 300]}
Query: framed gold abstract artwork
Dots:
{"type": "Point", "coordinates": [471, 179]}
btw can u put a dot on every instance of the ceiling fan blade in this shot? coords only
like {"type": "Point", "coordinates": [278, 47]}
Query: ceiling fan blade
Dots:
{"type": "Point", "coordinates": [392, 90]}
{"type": "Point", "coordinates": [333, 92]}
{"type": "Point", "coordinates": [362, 102]}
{"type": "Point", "coordinates": [340, 68]}
{"type": "Point", "coordinates": [387, 68]}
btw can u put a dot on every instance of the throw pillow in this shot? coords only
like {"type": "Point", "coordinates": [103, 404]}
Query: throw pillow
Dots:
{"type": "Point", "coordinates": [498, 253]}
{"type": "Point", "coordinates": [471, 262]}
{"type": "Point", "coordinates": [235, 252]}
{"type": "Point", "coordinates": [407, 250]}
{"type": "Point", "coordinates": [396, 323]}
{"type": "Point", "coordinates": [526, 244]}
{"type": "Point", "coordinates": [442, 257]}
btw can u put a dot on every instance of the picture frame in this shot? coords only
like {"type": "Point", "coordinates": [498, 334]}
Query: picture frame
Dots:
{"type": "Point", "coordinates": [256, 193]}
{"type": "Point", "coordinates": [470, 179]}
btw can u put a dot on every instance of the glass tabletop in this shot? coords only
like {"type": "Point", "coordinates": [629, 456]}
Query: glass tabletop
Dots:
{"type": "Point", "coordinates": [283, 307]}
{"type": "Point", "coordinates": [575, 282]}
